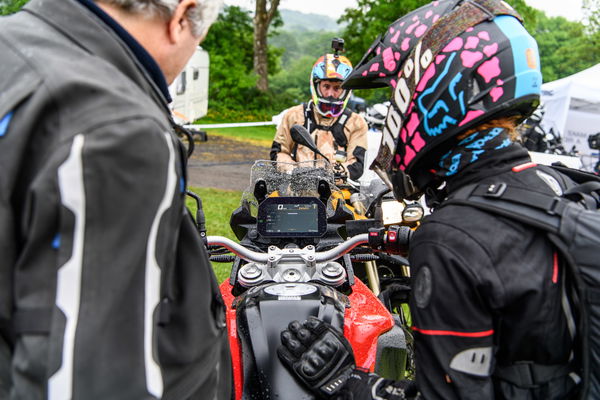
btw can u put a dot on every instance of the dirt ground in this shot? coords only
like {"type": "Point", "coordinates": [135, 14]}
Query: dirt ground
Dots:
{"type": "Point", "coordinates": [223, 163]}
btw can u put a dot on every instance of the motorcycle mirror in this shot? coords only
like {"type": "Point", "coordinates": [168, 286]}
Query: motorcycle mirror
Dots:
{"type": "Point", "coordinates": [301, 136]}
{"type": "Point", "coordinates": [413, 212]}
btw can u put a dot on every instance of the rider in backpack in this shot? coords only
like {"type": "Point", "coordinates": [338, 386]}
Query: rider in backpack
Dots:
{"type": "Point", "coordinates": [339, 133]}
{"type": "Point", "coordinates": [491, 311]}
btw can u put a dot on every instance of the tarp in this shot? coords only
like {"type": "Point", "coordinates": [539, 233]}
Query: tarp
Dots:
{"type": "Point", "coordinates": [572, 109]}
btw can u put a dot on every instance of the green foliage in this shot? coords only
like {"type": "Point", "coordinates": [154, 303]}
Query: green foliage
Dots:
{"type": "Point", "coordinates": [217, 115]}
{"type": "Point", "coordinates": [302, 49]}
{"type": "Point", "coordinates": [261, 135]}
{"type": "Point", "coordinates": [591, 9]}
{"type": "Point", "coordinates": [369, 19]}
{"type": "Point", "coordinates": [11, 6]}
{"type": "Point", "coordinates": [232, 83]}
{"type": "Point", "coordinates": [365, 22]}
{"type": "Point", "coordinates": [293, 81]}
{"type": "Point", "coordinates": [566, 47]}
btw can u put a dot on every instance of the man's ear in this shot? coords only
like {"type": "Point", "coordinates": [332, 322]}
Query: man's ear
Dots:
{"type": "Point", "coordinates": [179, 23]}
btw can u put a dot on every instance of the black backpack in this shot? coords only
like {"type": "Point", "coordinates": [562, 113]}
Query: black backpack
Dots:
{"type": "Point", "coordinates": [572, 223]}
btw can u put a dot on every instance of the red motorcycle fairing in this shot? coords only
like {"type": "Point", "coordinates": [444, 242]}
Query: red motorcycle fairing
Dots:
{"type": "Point", "coordinates": [365, 320]}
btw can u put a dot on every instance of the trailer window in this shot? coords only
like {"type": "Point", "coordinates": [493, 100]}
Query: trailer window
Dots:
{"type": "Point", "coordinates": [181, 83]}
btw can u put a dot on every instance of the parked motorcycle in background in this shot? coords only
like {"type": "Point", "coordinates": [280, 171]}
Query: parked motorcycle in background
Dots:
{"type": "Point", "coordinates": [536, 139]}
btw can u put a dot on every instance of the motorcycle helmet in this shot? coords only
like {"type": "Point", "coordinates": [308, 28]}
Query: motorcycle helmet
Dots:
{"type": "Point", "coordinates": [376, 115]}
{"type": "Point", "coordinates": [452, 65]}
{"type": "Point", "coordinates": [330, 67]}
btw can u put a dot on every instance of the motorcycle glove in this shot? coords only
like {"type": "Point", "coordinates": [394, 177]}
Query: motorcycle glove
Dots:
{"type": "Point", "coordinates": [361, 385]}
{"type": "Point", "coordinates": [318, 355]}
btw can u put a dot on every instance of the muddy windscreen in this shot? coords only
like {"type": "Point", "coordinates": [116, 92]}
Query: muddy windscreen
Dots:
{"type": "Point", "coordinates": [289, 179]}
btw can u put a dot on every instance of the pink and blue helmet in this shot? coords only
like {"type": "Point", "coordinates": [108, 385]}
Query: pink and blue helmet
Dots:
{"type": "Point", "coordinates": [452, 65]}
{"type": "Point", "coordinates": [330, 67]}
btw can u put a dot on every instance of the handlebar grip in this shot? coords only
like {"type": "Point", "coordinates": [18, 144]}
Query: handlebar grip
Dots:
{"type": "Point", "coordinates": [395, 241]}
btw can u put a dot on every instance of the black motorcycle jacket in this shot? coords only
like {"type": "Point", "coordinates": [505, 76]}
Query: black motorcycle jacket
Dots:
{"type": "Point", "coordinates": [488, 296]}
{"type": "Point", "coordinates": [106, 291]}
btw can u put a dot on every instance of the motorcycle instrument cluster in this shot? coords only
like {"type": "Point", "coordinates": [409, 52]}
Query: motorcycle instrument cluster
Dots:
{"type": "Point", "coordinates": [291, 217]}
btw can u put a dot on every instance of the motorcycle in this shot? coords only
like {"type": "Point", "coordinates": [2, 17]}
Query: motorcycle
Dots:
{"type": "Point", "coordinates": [535, 138]}
{"type": "Point", "coordinates": [298, 244]}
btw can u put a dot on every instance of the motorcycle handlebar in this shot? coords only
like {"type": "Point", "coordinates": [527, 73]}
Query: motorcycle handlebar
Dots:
{"type": "Point", "coordinates": [254, 256]}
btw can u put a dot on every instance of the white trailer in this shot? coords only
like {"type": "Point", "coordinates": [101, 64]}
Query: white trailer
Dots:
{"type": "Point", "coordinates": [189, 91]}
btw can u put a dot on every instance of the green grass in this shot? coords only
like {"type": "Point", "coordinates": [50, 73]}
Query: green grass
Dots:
{"type": "Point", "coordinates": [260, 135]}
{"type": "Point", "coordinates": [217, 205]}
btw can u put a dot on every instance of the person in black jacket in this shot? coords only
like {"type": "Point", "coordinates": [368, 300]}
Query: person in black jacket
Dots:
{"type": "Point", "coordinates": [490, 313]}
{"type": "Point", "coordinates": [106, 290]}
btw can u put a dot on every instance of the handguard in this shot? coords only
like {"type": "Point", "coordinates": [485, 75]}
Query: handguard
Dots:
{"type": "Point", "coordinates": [318, 354]}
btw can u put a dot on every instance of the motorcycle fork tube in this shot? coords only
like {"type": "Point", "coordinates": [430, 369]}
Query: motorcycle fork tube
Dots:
{"type": "Point", "coordinates": [406, 271]}
{"type": "Point", "coordinates": [371, 269]}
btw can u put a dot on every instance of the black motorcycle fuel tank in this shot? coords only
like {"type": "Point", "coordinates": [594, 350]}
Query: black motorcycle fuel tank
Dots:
{"type": "Point", "coordinates": [262, 313]}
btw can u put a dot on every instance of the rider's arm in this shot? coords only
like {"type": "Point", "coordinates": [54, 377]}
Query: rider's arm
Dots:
{"type": "Point", "coordinates": [452, 321]}
{"type": "Point", "coordinates": [356, 131]}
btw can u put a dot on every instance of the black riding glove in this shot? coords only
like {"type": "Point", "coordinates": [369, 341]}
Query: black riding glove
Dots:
{"type": "Point", "coordinates": [321, 357]}
{"type": "Point", "coordinates": [361, 385]}
{"type": "Point", "coordinates": [318, 354]}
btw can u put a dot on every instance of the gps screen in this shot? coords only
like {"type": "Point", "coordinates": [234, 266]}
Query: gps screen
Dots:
{"type": "Point", "coordinates": [291, 217]}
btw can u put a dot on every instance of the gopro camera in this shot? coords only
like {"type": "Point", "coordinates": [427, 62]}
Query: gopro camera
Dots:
{"type": "Point", "coordinates": [338, 45]}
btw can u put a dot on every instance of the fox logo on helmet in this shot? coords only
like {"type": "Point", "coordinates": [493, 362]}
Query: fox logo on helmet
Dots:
{"type": "Point", "coordinates": [452, 67]}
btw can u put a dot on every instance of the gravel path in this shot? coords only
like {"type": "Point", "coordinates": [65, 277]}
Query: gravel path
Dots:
{"type": "Point", "coordinates": [224, 163]}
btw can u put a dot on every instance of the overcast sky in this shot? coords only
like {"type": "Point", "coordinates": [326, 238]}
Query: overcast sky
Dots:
{"type": "Point", "coordinates": [570, 9]}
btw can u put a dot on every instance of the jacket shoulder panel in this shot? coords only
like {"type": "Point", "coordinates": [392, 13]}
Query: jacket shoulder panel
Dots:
{"type": "Point", "coordinates": [19, 79]}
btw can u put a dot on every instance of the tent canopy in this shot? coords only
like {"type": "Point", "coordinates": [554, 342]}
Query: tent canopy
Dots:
{"type": "Point", "coordinates": [572, 110]}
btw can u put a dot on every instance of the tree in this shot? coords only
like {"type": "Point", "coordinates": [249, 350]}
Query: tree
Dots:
{"type": "Point", "coordinates": [369, 19]}
{"type": "Point", "coordinates": [232, 83]}
{"type": "Point", "coordinates": [229, 44]}
{"type": "Point", "coordinates": [264, 13]}
{"type": "Point", "coordinates": [591, 9]}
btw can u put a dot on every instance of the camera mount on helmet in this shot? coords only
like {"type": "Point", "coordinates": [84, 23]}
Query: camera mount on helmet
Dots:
{"type": "Point", "coordinates": [337, 44]}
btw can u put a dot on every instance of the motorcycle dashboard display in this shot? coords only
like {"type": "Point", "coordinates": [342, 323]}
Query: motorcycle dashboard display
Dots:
{"type": "Point", "coordinates": [291, 217]}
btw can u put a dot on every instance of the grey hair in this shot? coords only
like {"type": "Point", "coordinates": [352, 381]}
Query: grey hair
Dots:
{"type": "Point", "coordinates": [201, 17]}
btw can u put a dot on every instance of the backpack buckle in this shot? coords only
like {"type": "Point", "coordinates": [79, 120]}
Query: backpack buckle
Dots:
{"type": "Point", "coordinates": [553, 206]}
{"type": "Point", "coordinates": [495, 190]}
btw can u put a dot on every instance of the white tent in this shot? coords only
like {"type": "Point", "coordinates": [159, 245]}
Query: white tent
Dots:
{"type": "Point", "coordinates": [572, 106]}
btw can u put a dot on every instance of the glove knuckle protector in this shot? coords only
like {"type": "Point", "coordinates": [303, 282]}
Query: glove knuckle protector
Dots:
{"type": "Point", "coordinates": [327, 359]}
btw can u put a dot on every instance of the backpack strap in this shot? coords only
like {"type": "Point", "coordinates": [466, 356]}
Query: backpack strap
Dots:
{"type": "Point", "coordinates": [576, 175]}
{"type": "Point", "coordinates": [532, 208]}
{"type": "Point", "coordinates": [529, 375]}
{"type": "Point", "coordinates": [587, 185]}
{"type": "Point", "coordinates": [552, 214]}
{"type": "Point", "coordinates": [336, 129]}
